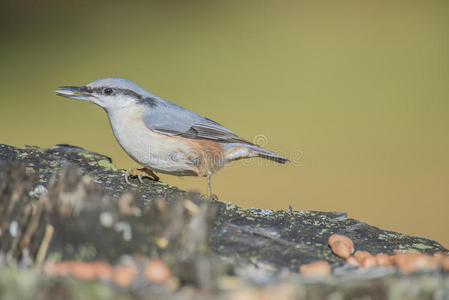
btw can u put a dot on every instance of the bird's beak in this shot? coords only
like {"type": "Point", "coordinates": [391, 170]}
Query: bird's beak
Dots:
{"type": "Point", "coordinates": [74, 92]}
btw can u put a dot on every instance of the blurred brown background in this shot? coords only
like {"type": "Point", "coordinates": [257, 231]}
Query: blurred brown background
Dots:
{"type": "Point", "coordinates": [354, 92]}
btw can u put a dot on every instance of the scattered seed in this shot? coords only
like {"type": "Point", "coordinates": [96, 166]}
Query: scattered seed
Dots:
{"type": "Point", "coordinates": [157, 271]}
{"type": "Point", "coordinates": [341, 249]}
{"type": "Point", "coordinates": [341, 245]}
{"type": "Point", "coordinates": [124, 274]}
{"type": "Point", "coordinates": [351, 260]}
{"type": "Point", "coordinates": [361, 254]}
{"type": "Point", "coordinates": [317, 268]}
{"type": "Point", "coordinates": [445, 263]}
{"type": "Point", "coordinates": [383, 259]}
{"type": "Point", "coordinates": [411, 262]}
{"type": "Point", "coordinates": [368, 261]}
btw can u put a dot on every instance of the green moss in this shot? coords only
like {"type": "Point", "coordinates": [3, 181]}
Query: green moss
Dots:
{"type": "Point", "coordinates": [29, 170]}
{"type": "Point", "coordinates": [413, 251]}
{"type": "Point", "coordinates": [33, 148]}
{"type": "Point", "coordinates": [86, 154]}
{"type": "Point", "coordinates": [230, 206]}
{"type": "Point", "coordinates": [421, 246]}
{"type": "Point", "coordinates": [53, 164]}
{"type": "Point", "coordinates": [107, 164]}
{"type": "Point", "coordinates": [395, 235]}
{"type": "Point", "coordinates": [86, 252]}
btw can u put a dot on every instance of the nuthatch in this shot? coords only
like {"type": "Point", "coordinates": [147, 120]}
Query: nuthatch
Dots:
{"type": "Point", "coordinates": [162, 136]}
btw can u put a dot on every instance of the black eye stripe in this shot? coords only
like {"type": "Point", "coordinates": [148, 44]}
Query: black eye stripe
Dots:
{"type": "Point", "coordinates": [117, 91]}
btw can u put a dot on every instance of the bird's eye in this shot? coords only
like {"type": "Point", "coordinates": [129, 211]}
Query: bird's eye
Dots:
{"type": "Point", "coordinates": [108, 91]}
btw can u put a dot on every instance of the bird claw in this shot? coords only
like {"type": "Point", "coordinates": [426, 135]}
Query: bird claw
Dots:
{"type": "Point", "coordinates": [212, 198]}
{"type": "Point", "coordinates": [140, 174]}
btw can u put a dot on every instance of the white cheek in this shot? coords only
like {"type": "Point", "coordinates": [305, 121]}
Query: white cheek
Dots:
{"type": "Point", "coordinates": [97, 101]}
{"type": "Point", "coordinates": [117, 103]}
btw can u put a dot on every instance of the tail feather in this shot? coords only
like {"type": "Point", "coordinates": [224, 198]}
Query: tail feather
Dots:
{"type": "Point", "coordinates": [263, 153]}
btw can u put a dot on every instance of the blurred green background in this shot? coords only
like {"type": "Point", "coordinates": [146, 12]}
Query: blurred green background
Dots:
{"type": "Point", "coordinates": [354, 92]}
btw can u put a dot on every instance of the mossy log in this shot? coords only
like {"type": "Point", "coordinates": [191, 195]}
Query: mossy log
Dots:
{"type": "Point", "coordinates": [67, 203]}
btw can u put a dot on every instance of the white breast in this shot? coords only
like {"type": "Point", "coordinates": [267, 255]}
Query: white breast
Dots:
{"type": "Point", "coordinates": [156, 151]}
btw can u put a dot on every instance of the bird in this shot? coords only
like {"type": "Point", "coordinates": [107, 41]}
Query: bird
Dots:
{"type": "Point", "coordinates": [163, 136]}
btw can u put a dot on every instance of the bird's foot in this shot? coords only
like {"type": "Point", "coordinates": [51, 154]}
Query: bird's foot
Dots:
{"type": "Point", "coordinates": [212, 198]}
{"type": "Point", "coordinates": [140, 174]}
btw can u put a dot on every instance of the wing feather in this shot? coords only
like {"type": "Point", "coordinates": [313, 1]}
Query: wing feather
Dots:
{"type": "Point", "coordinates": [173, 120]}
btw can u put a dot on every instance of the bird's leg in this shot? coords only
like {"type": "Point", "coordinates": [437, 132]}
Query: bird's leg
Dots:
{"type": "Point", "coordinates": [140, 173]}
{"type": "Point", "coordinates": [211, 196]}
{"type": "Point", "coordinates": [209, 187]}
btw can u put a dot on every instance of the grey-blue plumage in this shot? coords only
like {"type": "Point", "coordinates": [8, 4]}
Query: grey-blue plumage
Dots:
{"type": "Point", "coordinates": [168, 118]}
{"type": "Point", "coordinates": [173, 120]}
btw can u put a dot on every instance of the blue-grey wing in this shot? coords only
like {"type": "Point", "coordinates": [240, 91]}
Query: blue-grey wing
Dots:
{"type": "Point", "coordinates": [173, 120]}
